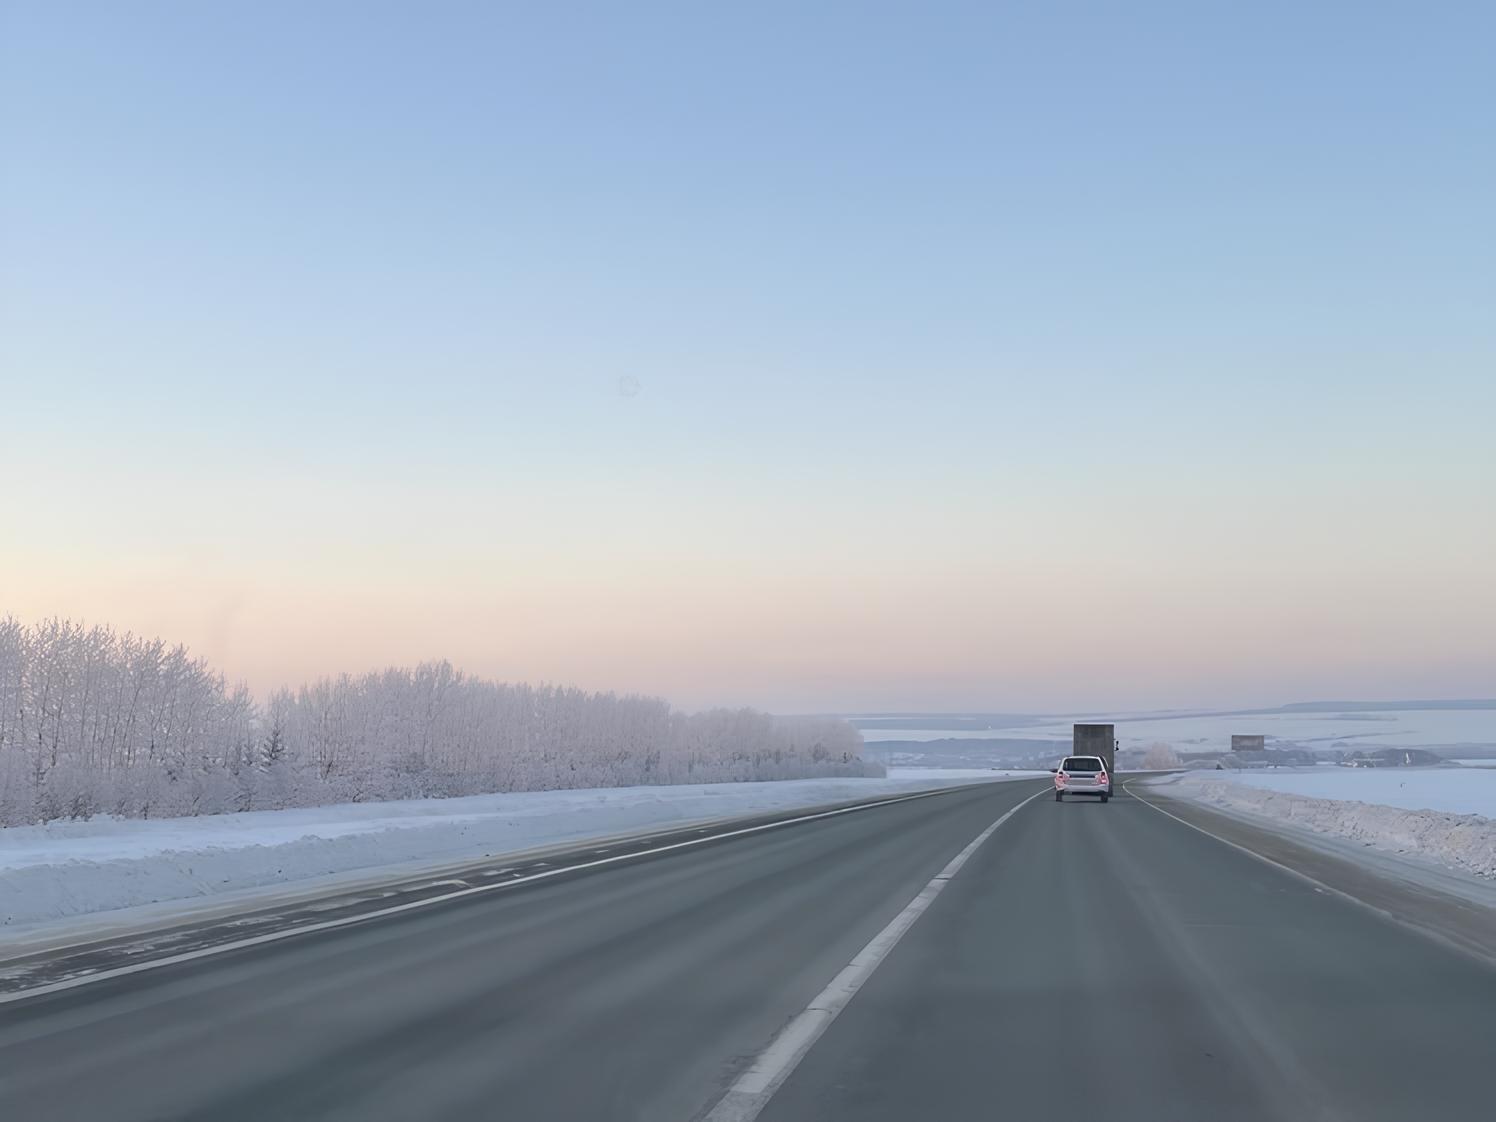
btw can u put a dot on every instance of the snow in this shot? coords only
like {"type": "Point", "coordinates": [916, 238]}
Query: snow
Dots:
{"type": "Point", "coordinates": [1360, 730]}
{"type": "Point", "coordinates": [65, 869]}
{"type": "Point", "coordinates": [877, 736]}
{"type": "Point", "coordinates": [1444, 814]}
{"type": "Point", "coordinates": [963, 773]}
{"type": "Point", "coordinates": [1453, 790]}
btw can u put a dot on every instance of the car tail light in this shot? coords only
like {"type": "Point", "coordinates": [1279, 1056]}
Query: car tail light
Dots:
{"type": "Point", "coordinates": [1101, 779]}
{"type": "Point", "coordinates": [1060, 777]}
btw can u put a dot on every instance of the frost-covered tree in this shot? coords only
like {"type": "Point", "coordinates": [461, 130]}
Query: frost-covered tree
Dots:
{"type": "Point", "coordinates": [92, 721]}
{"type": "Point", "coordinates": [1160, 757]}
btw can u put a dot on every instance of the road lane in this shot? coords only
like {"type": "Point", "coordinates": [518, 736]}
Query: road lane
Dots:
{"type": "Point", "coordinates": [1087, 961]}
{"type": "Point", "coordinates": [1110, 962]}
{"type": "Point", "coordinates": [630, 993]}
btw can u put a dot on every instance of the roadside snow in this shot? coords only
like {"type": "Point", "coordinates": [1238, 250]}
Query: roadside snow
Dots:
{"type": "Point", "coordinates": [1453, 790]}
{"type": "Point", "coordinates": [963, 773]}
{"type": "Point", "coordinates": [76, 868]}
{"type": "Point", "coordinates": [1441, 814]}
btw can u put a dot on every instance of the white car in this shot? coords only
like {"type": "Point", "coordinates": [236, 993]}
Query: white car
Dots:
{"type": "Point", "coordinates": [1082, 775]}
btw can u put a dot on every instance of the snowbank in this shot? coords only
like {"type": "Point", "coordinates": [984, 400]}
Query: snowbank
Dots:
{"type": "Point", "coordinates": [977, 773]}
{"type": "Point", "coordinates": [75, 868]}
{"type": "Point", "coordinates": [1462, 840]}
{"type": "Point", "coordinates": [1453, 790]}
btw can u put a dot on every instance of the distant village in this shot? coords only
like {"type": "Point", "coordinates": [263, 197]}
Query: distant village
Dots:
{"type": "Point", "coordinates": [1253, 752]}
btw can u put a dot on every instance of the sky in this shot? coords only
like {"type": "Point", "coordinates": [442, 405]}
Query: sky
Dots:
{"type": "Point", "coordinates": [819, 357]}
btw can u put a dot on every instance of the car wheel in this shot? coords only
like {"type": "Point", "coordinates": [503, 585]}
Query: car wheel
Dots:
{"type": "Point", "coordinates": [1104, 796]}
{"type": "Point", "coordinates": [1059, 796]}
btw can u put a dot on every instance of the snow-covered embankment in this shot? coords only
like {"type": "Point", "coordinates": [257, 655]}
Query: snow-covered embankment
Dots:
{"type": "Point", "coordinates": [73, 869]}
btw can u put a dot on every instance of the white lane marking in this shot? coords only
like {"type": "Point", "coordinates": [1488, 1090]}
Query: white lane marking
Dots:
{"type": "Point", "coordinates": [1320, 885]}
{"type": "Point", "coordinates": [752, 1090]}
{"type": "Point", "coordinates": [346, 921]}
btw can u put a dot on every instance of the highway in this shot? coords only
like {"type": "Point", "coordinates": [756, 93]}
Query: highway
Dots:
{"type": "Point", "coordinates": [1085, 961]}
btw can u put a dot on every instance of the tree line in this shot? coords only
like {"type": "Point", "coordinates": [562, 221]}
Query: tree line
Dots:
{"type": "Point", "coordinates": [93, 721]}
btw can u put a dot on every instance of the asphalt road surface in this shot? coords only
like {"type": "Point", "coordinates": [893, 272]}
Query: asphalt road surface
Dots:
{"type": "Point", "coordinates": [1087, 961]}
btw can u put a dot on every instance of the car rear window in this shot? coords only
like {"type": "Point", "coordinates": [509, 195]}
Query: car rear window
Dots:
{"type": "Point", "coordinates": [1081, 763]}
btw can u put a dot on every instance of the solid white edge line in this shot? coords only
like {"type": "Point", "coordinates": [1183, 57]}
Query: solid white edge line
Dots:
{"type": "Point", "coordinates": [348, 921]}
{"type": "Point", "coordinates": [1282, 868]}
{"type": "Point", "coordinates": [753, 1089]}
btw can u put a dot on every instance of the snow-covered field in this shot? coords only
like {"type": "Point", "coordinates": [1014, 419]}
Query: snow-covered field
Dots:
{"type": "Point", "coordinates": [963, 773]}
{"type": "Point", "coordinates": [1446, 815]}
{"type": "Point", "coordinates": [75, 868]}
{"type": "Point", "coordinates": [1453, 790]}
{"type": "Point", "coordinates": [1187, 732]}
{"type": "Point", "coordinates": [1193, 732]}
{"type": "Point", "coordinates": [877, 736]}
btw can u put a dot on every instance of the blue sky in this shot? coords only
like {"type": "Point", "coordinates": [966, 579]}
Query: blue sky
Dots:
{"type": "Point", "coordinates": [958, 330]}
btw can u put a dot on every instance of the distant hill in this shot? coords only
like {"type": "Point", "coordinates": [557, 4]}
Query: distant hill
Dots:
{"type": "Point", "coordinates": [964, 753]}
{"type": "Point", "coordinates": [945, 722]}
{"type": "Point", "coordinates": [998, 746]}
{"type": "Point", "coordinates": [1378, 706]}
{"type": "Point", "coordinates": [961, 722]}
